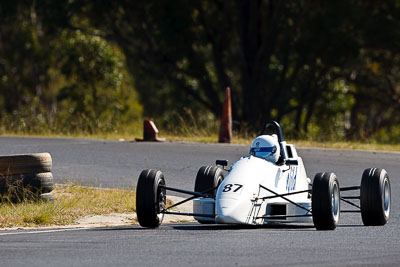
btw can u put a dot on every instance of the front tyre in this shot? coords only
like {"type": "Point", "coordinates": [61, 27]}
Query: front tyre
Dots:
{"type": "Point", "coordinates": [325, 201]}
{"type": "Point", "coordinates": [150, 198]}
{"type": "Point", "coordinates": [375, 197]}
{"type": "Point", "coordinates": [207, 180]}
{"type": "Point", "coordinates": [208, 177]}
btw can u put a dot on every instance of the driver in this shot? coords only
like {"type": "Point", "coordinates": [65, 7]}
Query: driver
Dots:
{"type": "Point", "coordinates": [266, 147]}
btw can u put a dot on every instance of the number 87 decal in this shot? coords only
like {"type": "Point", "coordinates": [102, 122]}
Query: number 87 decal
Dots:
{"type": "Point", "coordinates": [233, 188]}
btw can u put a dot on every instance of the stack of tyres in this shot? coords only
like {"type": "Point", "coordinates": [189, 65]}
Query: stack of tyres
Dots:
{"type": "Point", "coordinates": [26, 176]}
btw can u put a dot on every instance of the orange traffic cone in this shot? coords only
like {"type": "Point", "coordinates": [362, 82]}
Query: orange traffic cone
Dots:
{"type": "Point", "coordinates": [150, 132]}
{"type": "Point", "coordinates": [225, 132]}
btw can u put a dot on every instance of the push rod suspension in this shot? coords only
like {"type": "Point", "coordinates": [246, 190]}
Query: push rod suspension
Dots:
{"type": "Point", "coordinates": [283, 216]}
{"type": "Point", "coordinates": [350, 211]}
{"type": "Point", "coordinates": [287, 194]}
{"type": "Point", "coordinates": [197, 194]}
{"type": "Point", "coordinates": [187, 214]}
{"type": "Point", "coordinates": [351, 197]}
{"type": "Point", "coordinates": [350, 188]}
{"type": "Point", "coordinates": [350, 203]}
{"type": "Point", "coordinates": [285, 198]}
{"type": "Point", "coordinates": [181, 202]}
{"type": "Point", "coordinates": [190, 198]}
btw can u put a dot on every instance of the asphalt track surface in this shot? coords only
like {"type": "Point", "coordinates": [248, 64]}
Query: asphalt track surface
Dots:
{"type": "Point", "coordinates": [118, 164]}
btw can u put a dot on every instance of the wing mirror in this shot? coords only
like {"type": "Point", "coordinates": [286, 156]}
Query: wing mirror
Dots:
{"type": "Point", "coordinates": [292, 162]}
{"type": "Point", "coordinates": [221, 162]}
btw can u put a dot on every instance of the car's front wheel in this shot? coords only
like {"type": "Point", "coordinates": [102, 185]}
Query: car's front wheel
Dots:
{"type": "Point", "coordinates": [325, 201]}
{"type": "Point", "coordinates": [150, 198]}
{"type": "Point", "coordinates": [375, 197]}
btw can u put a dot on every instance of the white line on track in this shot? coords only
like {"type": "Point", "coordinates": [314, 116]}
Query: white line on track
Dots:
{"type": "Point", "coordinates": [45, 231]}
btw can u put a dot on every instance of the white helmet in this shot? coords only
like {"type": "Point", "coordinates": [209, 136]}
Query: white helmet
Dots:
{"type": "Point", "coordinates": [266, 147]}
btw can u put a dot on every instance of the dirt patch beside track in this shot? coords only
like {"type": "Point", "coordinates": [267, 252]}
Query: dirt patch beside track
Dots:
{"type": "Point", "coordinates": [117, 219]}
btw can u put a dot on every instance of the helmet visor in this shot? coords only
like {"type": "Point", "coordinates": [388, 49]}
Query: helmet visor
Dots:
{"type": "Point", "coordinates": [263, 151]}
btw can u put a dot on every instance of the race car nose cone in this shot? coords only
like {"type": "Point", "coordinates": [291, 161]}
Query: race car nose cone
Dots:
{"type": "Point", "coordinates": [227, 211]}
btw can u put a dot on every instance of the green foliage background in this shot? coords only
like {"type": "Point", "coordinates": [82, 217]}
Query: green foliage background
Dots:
{"type": "Point", "coordinates": [60, 80]}
{"type": "Point", "coordinates": [327, 70]}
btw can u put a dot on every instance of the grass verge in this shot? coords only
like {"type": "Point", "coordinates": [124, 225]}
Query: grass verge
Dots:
{"type": "Point", "coordinates": [347, 145]}
{"type": "Point", "coordinates": [212, 137]}
{"type": "Point", "coordinates": [299, 143]}
{"type": "Point", "coordinates": [71, 203]}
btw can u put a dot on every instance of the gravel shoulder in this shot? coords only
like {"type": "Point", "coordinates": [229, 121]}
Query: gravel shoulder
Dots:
{"type": "Point", "coordinates": [116, 219]}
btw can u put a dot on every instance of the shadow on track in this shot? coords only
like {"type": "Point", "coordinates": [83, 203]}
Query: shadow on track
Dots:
{"type": "Point", "coordinates": [192, 226]}
{"type": "Point", "coordinates": [207, 227]}
{"type": "Point", "coordinates": [283, 227]}
{"type": "Point", "coordinates": [200, 227]}
{"type": "Point", "coordinates": [350, 225]}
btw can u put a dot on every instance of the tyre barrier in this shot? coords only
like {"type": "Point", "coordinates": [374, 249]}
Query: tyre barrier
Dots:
{"type": "Point", "coordinates": [26, 176]}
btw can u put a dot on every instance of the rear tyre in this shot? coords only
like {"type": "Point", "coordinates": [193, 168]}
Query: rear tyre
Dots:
{"type": "Point", "coordinates": [375, 197]}
{"type": "Point", "coordinates": [150, 198]}
{"type": "Point", "coordinates": [47, 197]}
{"type": "Point", "coordinates": [25, 163]}
{"type": "Point", "coordinates": [325, 201]}
{"type": "Point", "coordinates": [36, 182]}
{"type": "Point", "coordinates": [208, 177]}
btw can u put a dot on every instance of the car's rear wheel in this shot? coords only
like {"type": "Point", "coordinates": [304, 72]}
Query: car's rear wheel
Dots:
{"type": "Point", "coordinates": [375, 197]}
{"type": "Point", "coordinates": [150, 198]}
{"type": "Point", "coordinates": [208, 178]}
{"type": "Point", "coordinates": [325, 201]}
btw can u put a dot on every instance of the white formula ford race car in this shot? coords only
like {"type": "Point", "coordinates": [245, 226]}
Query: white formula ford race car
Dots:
{"type": "Point", "coordinates": [269, 185]}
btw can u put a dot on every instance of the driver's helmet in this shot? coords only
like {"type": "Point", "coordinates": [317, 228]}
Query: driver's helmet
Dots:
{"type": "Point", "coordinates": [266, 147]}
